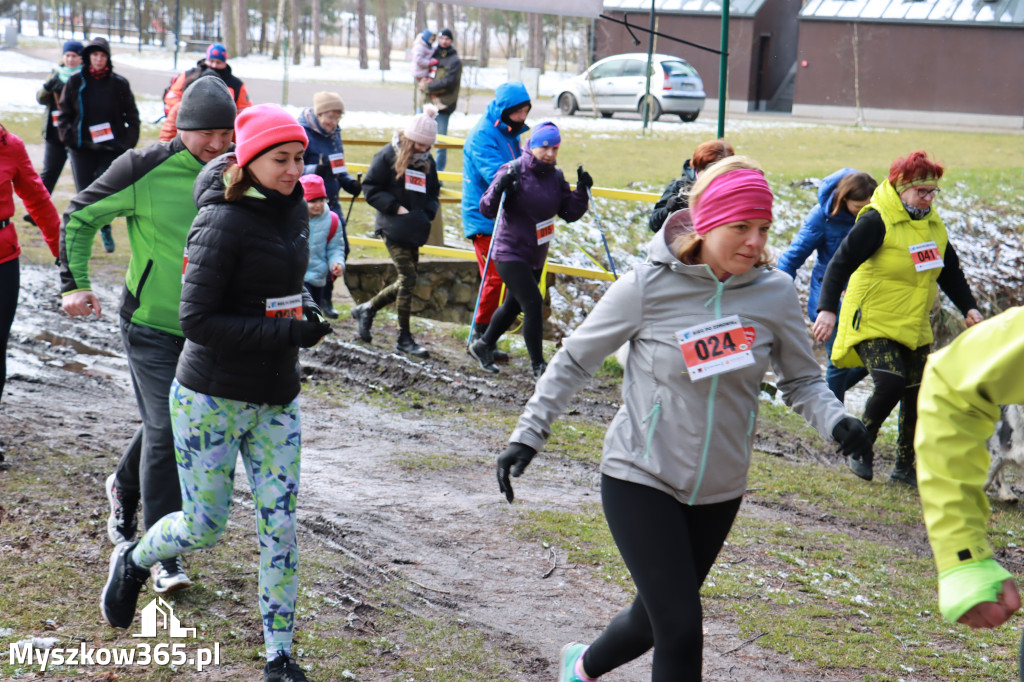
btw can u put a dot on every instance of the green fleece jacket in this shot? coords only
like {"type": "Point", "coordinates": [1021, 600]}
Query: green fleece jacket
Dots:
{"type": "Point", "coordinates": [152, 189]}
{"type": "Point", "coordinates": [958, 405]}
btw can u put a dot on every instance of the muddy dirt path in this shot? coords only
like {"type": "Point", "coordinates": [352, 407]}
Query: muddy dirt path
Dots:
{"type": "Point", "coordinates": [442, 530]}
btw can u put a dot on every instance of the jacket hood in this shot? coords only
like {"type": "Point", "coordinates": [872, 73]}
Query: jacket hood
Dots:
{"type": "Point", "coordinates": [507, 95]}
{"type": "Point", "coordinates": [209, 186]}
{"type": "Point", "coordinates": [827, 188]}
{"type": "Point", "coordinates": [660, 253]}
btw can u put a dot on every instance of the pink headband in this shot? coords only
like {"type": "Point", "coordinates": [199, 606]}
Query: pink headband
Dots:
{"type": "Point", "coordinates": [741, 194]}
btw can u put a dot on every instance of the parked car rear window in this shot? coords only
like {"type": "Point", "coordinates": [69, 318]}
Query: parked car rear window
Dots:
{"type": "Point", "coordinates": [678, 69]}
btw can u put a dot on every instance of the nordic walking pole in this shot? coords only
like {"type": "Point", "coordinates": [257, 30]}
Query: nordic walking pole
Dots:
{"type": "Point", "coordinates": [487, 263]}
{"type": "Point", "coordinates": [600, 228]}
{"type": "Point", "coordinates": [359, 177]}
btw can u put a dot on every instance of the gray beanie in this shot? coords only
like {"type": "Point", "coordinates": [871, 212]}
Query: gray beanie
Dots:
{"type": "Point", "coordinates": [206, 105]}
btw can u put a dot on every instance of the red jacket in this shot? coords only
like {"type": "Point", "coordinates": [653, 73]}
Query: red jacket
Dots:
{"type": "Point", "coordinates": [17, 174]}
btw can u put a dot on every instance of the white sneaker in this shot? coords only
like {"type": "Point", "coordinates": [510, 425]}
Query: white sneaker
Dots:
{"type": "Point", "coordinates": [169, 576]}
{"type": "Point", "coordinates": [123, 521]}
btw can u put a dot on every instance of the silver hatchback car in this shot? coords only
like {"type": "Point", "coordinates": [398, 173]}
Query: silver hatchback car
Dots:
{"type": "Point", "coordinates": [617, 83]}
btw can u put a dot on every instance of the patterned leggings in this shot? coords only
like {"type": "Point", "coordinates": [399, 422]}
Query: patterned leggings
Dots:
{"type": "Point", "coordinates": [406, 258]}
{"type": "Point", "coordinates": [209, 432]}
{"type": "Point", "coordinates": [896, 371]}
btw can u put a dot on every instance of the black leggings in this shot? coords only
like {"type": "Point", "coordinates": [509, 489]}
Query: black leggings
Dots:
{"type": "Point", "coordinates": [896, 371]}
{"type": "Point", "coordinates": [9, 283]}
{"type": "Point", "coordinates": [524, 295]}
{"type": "Point", "coordinates": [669, 548]}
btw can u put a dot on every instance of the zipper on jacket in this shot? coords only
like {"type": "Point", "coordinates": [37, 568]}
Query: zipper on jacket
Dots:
{"type": "Point", "coordinates": [653, 419]}
{"type": "Point", "coordinates": [717, 300]}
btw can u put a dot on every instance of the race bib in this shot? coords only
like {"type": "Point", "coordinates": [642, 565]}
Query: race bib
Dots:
{"type": "Point", "coordinates": [926, 256]}
{"type": "Point", "coordinates": [285, 306]}
{"type": "Point", "coordinates": [415, 181]}
{"type": "Point", "coordinates": [716, 347]}
{"type": "Point", "coordinates": [337, 163]}
{"type": "Point", "coordinates": [184, 264]}
{"type": "Point", "coordinates": [545, 231]}
{"type": "Point", "coordinates": [101, 132]}
{"type": "Point", "coordinates": [55, 117]}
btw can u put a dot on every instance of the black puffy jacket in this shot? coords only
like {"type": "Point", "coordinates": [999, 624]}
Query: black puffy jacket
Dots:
{"type": "Point", "coordinates": [386, 193]}
{"type": "Point", "coordinates": [240, 255]}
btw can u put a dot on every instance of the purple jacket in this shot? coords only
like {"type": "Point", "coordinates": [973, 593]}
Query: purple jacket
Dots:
{"type": "Point", "coordinates": [543, 193]}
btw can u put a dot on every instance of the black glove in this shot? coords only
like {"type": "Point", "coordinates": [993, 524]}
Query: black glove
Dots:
{"type": "Point", "coordinates": [507, 183]}
{"type": "Point", "coordinates": [357, 190]}
{"type": "Point", "coordinates": [853, 439]}
{"type": "Point", "coordinates": [583, 178]}
{"type": "Point", "coordinates": [307, 333]}
{"type": "Point", "coordinates": [513, 460]}
{"type": "Point", "coordinates": [675, 203]}
{"type": "Point", "coordinates": [323, 169]}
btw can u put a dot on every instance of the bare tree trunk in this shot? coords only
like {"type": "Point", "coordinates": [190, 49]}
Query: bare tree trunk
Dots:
{"type": "Point", "coordinates": [540, 47]}
{"type": "Point", "coordinates": [421, 18]}
{"type": "Point", "coordinates": [438, 17]}
{"type": "Point", "coordinates": [227, 26]}
{"type": "Point", "coordinates": [316, 32]}
{"type": "Point", "coordinates": [279, 34]}
{"type": "Point", "coordinates": [530, 58]}
{"type": "Point", "coordinates": [384, 33]}
{"type": "Point", "coordinates": [293, 31]}
{"type": "Point", "coordinates": [449, 12]}
{"type": "Point", "coordinates": [364, 59]}
{"type": "Point", "coordinates": [485, 38]}
{"type": "Point", "coordinates": [242, 29]}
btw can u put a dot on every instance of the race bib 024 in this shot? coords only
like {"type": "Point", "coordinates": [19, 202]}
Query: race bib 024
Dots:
{"type": "Point", "coordinates": [716, 347]}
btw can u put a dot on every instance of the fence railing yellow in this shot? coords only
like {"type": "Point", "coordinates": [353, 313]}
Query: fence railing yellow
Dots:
{"type": "Point", "coordinates": [451, 196]}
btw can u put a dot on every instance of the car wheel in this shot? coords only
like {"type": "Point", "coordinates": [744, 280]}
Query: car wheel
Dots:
{"type": "Point", "coordinates": [607, 114]}
{"type": "Point", "coordinates": [567, 104]}
{"type": "Point", "coordinates": [655, 109]}
{"type": "Point", "coordinates": [690, 117]}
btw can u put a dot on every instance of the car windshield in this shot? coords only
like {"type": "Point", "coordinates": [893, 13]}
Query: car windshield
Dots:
{"type": "Point", "coordinates": [675, 68]}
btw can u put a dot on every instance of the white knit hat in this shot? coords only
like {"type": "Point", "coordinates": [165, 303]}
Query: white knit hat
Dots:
{"type": "Point", "coordinates": [423, 128]}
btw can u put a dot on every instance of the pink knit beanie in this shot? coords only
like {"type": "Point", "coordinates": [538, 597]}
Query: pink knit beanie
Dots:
{"type": "Point", "coordinates": [738, 195]}
{"type": "Point", "coordinates": [261, 127]}
{"type": "Point", "coordinates": [423, 128]}
{"type": "Point", "coordinates": [313, 187]}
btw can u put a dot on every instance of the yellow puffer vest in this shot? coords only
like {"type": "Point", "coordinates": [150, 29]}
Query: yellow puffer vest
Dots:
{"type": "Point", "coordinates": [887, 297]}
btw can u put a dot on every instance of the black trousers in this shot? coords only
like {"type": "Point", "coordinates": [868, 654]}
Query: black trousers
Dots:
{"type": "Point", "coordinates": [669, 548]}
{"type": "Point", "coordinates": [523, 296]}
{"type": "Point", "coordinates": [10, 282]}
{"type": "Point", "coordinates": [55, 156]}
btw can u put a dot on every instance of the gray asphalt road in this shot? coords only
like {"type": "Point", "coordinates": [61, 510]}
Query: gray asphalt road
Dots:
{"type": "Point", "coordinates": [388, 97]}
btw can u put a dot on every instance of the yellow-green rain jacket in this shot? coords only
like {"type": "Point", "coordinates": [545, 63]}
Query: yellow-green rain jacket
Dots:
{"type": "Point", "coordinates": [964, 385]}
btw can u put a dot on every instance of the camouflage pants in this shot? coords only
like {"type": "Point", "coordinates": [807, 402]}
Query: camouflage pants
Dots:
{"type": "Point", "coordinates": [406, 258]}
{"type": "Point", "coordinates": [209, 432]}
{"type": "Point", "coordinates": [896, 371]}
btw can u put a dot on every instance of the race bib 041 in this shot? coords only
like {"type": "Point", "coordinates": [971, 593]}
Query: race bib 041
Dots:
{"type": "Point", "coordinates": [926, 256]}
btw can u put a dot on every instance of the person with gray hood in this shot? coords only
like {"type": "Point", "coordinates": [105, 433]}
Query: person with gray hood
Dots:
{"type": "Point", "coordinates": [152, 189]}
{"type": "Point", "coordinates": [703, 317]}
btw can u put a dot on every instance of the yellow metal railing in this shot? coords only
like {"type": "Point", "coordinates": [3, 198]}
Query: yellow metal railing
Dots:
{"type": "Point", "coordinates": [450, 196]}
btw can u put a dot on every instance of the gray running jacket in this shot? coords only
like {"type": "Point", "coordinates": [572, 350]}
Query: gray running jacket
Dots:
{"type": "Point", "coordinates": [689, 439]}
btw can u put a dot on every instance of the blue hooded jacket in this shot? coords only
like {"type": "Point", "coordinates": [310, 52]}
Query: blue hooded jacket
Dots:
{"type": "Point", "coordinates": [822, 233]}
{"type": "Point", "coordinates": [489, 145]}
